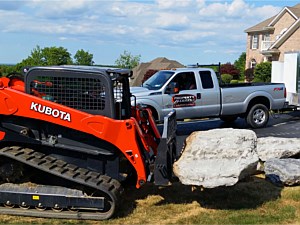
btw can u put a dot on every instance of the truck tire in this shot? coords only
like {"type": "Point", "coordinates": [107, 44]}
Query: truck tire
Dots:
{"type": "Point", "coordinates": [258, 116]}
{"type": "Point", "coordinates": [228, 119]}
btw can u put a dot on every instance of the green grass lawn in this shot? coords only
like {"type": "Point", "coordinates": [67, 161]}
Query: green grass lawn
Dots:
{"type": "Point", "coordinates": [254, 201]}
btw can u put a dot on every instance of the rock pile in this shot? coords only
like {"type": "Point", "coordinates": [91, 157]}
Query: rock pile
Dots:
{"type": "Point", "coordinates": [222, 157]}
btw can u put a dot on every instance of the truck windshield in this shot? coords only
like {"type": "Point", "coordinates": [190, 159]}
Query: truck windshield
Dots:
{"type": "Point", "coordinates": [156, 81]}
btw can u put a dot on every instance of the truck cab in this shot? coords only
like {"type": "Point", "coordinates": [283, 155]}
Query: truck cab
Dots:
{"type": "Point", "coordinates": [191, 91]}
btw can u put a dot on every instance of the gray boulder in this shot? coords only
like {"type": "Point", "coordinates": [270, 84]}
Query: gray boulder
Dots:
{"type": "Point", "coordinates": [283, 171]}
{"type": "Point", "coordinates": [219, 157]}
{"type": "Point", "coordinates": [277, 147]}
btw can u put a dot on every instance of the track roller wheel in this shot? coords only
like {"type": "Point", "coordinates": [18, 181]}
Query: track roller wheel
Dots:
{"type": "Point", "coordinates": [56, 208]}
{"type": "Point", "coordinates": [72, 209]}
{"type": "Point", "coordinates": [24, 206]}
{"type": "Point", "coordinates": [40, 207]}
{"type": "Point", "coordinates": [9, 205]}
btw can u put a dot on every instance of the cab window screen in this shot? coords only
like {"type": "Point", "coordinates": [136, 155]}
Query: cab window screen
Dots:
{"type": "Point", "coordinates": [78, 93]}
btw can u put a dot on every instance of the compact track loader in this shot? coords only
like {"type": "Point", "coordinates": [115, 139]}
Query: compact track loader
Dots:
{"type": "Point", "coordinates": [70, 137]}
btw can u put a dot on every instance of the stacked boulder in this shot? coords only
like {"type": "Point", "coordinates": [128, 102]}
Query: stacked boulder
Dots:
{"type": "Point", "coordinates": [222, 157]}
{"type": "Point", "coordinates": [281, 159]}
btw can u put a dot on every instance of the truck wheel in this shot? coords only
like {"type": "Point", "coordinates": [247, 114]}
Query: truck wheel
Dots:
{"type": "Point", "coordinates": [258, 116]}
{"type": "Point", "coordinates": [228, 119]}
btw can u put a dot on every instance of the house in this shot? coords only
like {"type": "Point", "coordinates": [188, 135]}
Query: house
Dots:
{"type": "Point", "coordinates": [270, 39]}
{"type": "Point", "coordinates": [156, 64]}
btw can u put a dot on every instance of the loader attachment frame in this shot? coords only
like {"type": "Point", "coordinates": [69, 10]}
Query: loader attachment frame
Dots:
{"type": "Point", "coordinates": [166, 154]}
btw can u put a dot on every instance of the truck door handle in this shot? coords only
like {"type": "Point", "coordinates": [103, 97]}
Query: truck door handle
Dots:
{"type": "Point", "coordinates": [198, 95]}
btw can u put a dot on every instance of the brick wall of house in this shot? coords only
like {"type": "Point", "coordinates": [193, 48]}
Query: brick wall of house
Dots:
{"type": "Point", "coordinates": [253, 53]}
{"type": "Point", "coordinates": [283, 23]}
{"type": "Point", "coordinates": [290, 45]}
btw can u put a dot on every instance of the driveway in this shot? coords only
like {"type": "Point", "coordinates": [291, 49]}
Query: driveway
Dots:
{"type": "Point", "coordinates": [280, 125]}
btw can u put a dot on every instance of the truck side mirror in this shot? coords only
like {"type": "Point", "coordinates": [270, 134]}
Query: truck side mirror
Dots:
{"type": "Point", "coordinates": [172, 88]}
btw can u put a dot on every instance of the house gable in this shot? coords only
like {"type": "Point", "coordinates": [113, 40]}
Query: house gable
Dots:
{"type": "Point", "coordinates": [282, 13]}
{"type": "Point", "coordinates": [287, 35]}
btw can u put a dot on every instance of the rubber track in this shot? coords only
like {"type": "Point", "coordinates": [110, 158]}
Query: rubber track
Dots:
{"type": "Point", "coordinates": [70, 172]}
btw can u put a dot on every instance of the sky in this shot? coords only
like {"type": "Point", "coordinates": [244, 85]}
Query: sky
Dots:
{"type": "Point", "coordinates": [188, 31]}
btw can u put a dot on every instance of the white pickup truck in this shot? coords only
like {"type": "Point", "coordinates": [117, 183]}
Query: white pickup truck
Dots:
{"type": "Point", "coordinates": [196, 93]}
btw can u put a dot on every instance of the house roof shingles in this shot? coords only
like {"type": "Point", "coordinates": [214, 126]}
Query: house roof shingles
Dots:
{"type": "Point", "coordinates": [295, 10]}
{"type": "Point", "coordinates": [156, 64]}
{"type": "Point", "coordinates": [262, 25]}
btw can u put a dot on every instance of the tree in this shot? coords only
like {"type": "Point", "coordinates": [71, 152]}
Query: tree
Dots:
{"type": "Point", "coordinates": [46, 57]}
{"type": "Point", "coordinates": [83, 58]}
{"type": "Point", "coordinates": [228, 68]}
{"type": "Point", "coordinates": [240, 64]}
{"type": "Point", "coordinates": [126, 60]}
{"type": "Point", "coordinates": [56, 56]}
{"type": "Point", "coordinates": [34, 59]}
{"type": "Point", "coordinates": [6, 69]}
{"type": "Point", "coordinates": [262, 72]}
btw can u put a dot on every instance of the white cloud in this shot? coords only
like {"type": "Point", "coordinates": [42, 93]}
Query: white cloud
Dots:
{"type": "Point", "coordinates": [167, 4]}
{"type": "Point", "coordinates": [209, 51]}
{"type": "Point", "coordinates": [172, 21]}
{"type": "Point", "coordinates": [266, 11]}
{"type": "Point", "coordinates": [193, 36]}
{"type": "Point", "coordinates": [128, 9]}
{"type": "Point", "coordinates": [168, 23]}
{"type": "Point", "coordinates": [237, 9]}
{"type": "Point", "coordinates": [200, 3]}
{"type": "Point", "coordinates": [55, 9]}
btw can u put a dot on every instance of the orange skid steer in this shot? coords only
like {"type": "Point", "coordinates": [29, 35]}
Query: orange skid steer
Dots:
{"type": "Point", "coordinates": [71, 136]}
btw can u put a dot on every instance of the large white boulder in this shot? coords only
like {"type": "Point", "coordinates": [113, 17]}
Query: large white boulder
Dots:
{"type": "Point", "coordinates": [283, 171]}
{"type": "Point", "coordinates": [219, 157]}
{"type": "Point", "coordinates": [277, 147]}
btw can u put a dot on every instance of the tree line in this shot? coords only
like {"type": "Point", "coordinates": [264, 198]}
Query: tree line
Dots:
{"type": "Point", "coordinates": [48, 56]}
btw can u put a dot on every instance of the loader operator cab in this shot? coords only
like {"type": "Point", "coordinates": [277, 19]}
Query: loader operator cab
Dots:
{"type": "Point", "coordinates": [95, 90]}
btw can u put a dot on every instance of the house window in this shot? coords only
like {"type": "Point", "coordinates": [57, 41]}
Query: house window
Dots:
{"type": "Point", "coordinates": [254, 42]}
{"type": "Point", "coordinates": [266, 37]}
{"type": "Point", "coordinates": [253, 63]}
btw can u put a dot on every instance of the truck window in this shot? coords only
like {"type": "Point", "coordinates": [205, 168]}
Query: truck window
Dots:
{"type": "Point", "coordinates": [185, 81]}
{"type": "Point", "coordinates": [206, 79]}
{"type": "Point", "coordinates": [158, 80]}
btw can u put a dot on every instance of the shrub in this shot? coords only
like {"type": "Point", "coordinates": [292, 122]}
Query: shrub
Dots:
{"type": "Point", "coordinates": [234, 81]}
{"type": "Point", "coordinates": [226, 78]}
{"type": "Point", "coordinates": [262, 72]}
{"type": "Point", "coordinates": [249, 74]}
{"type": "Point", "coordinates": [228, 68]}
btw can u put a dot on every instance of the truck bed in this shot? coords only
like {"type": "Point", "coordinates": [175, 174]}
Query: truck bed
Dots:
{"type": "Point", "coordinates": [245, 85]}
